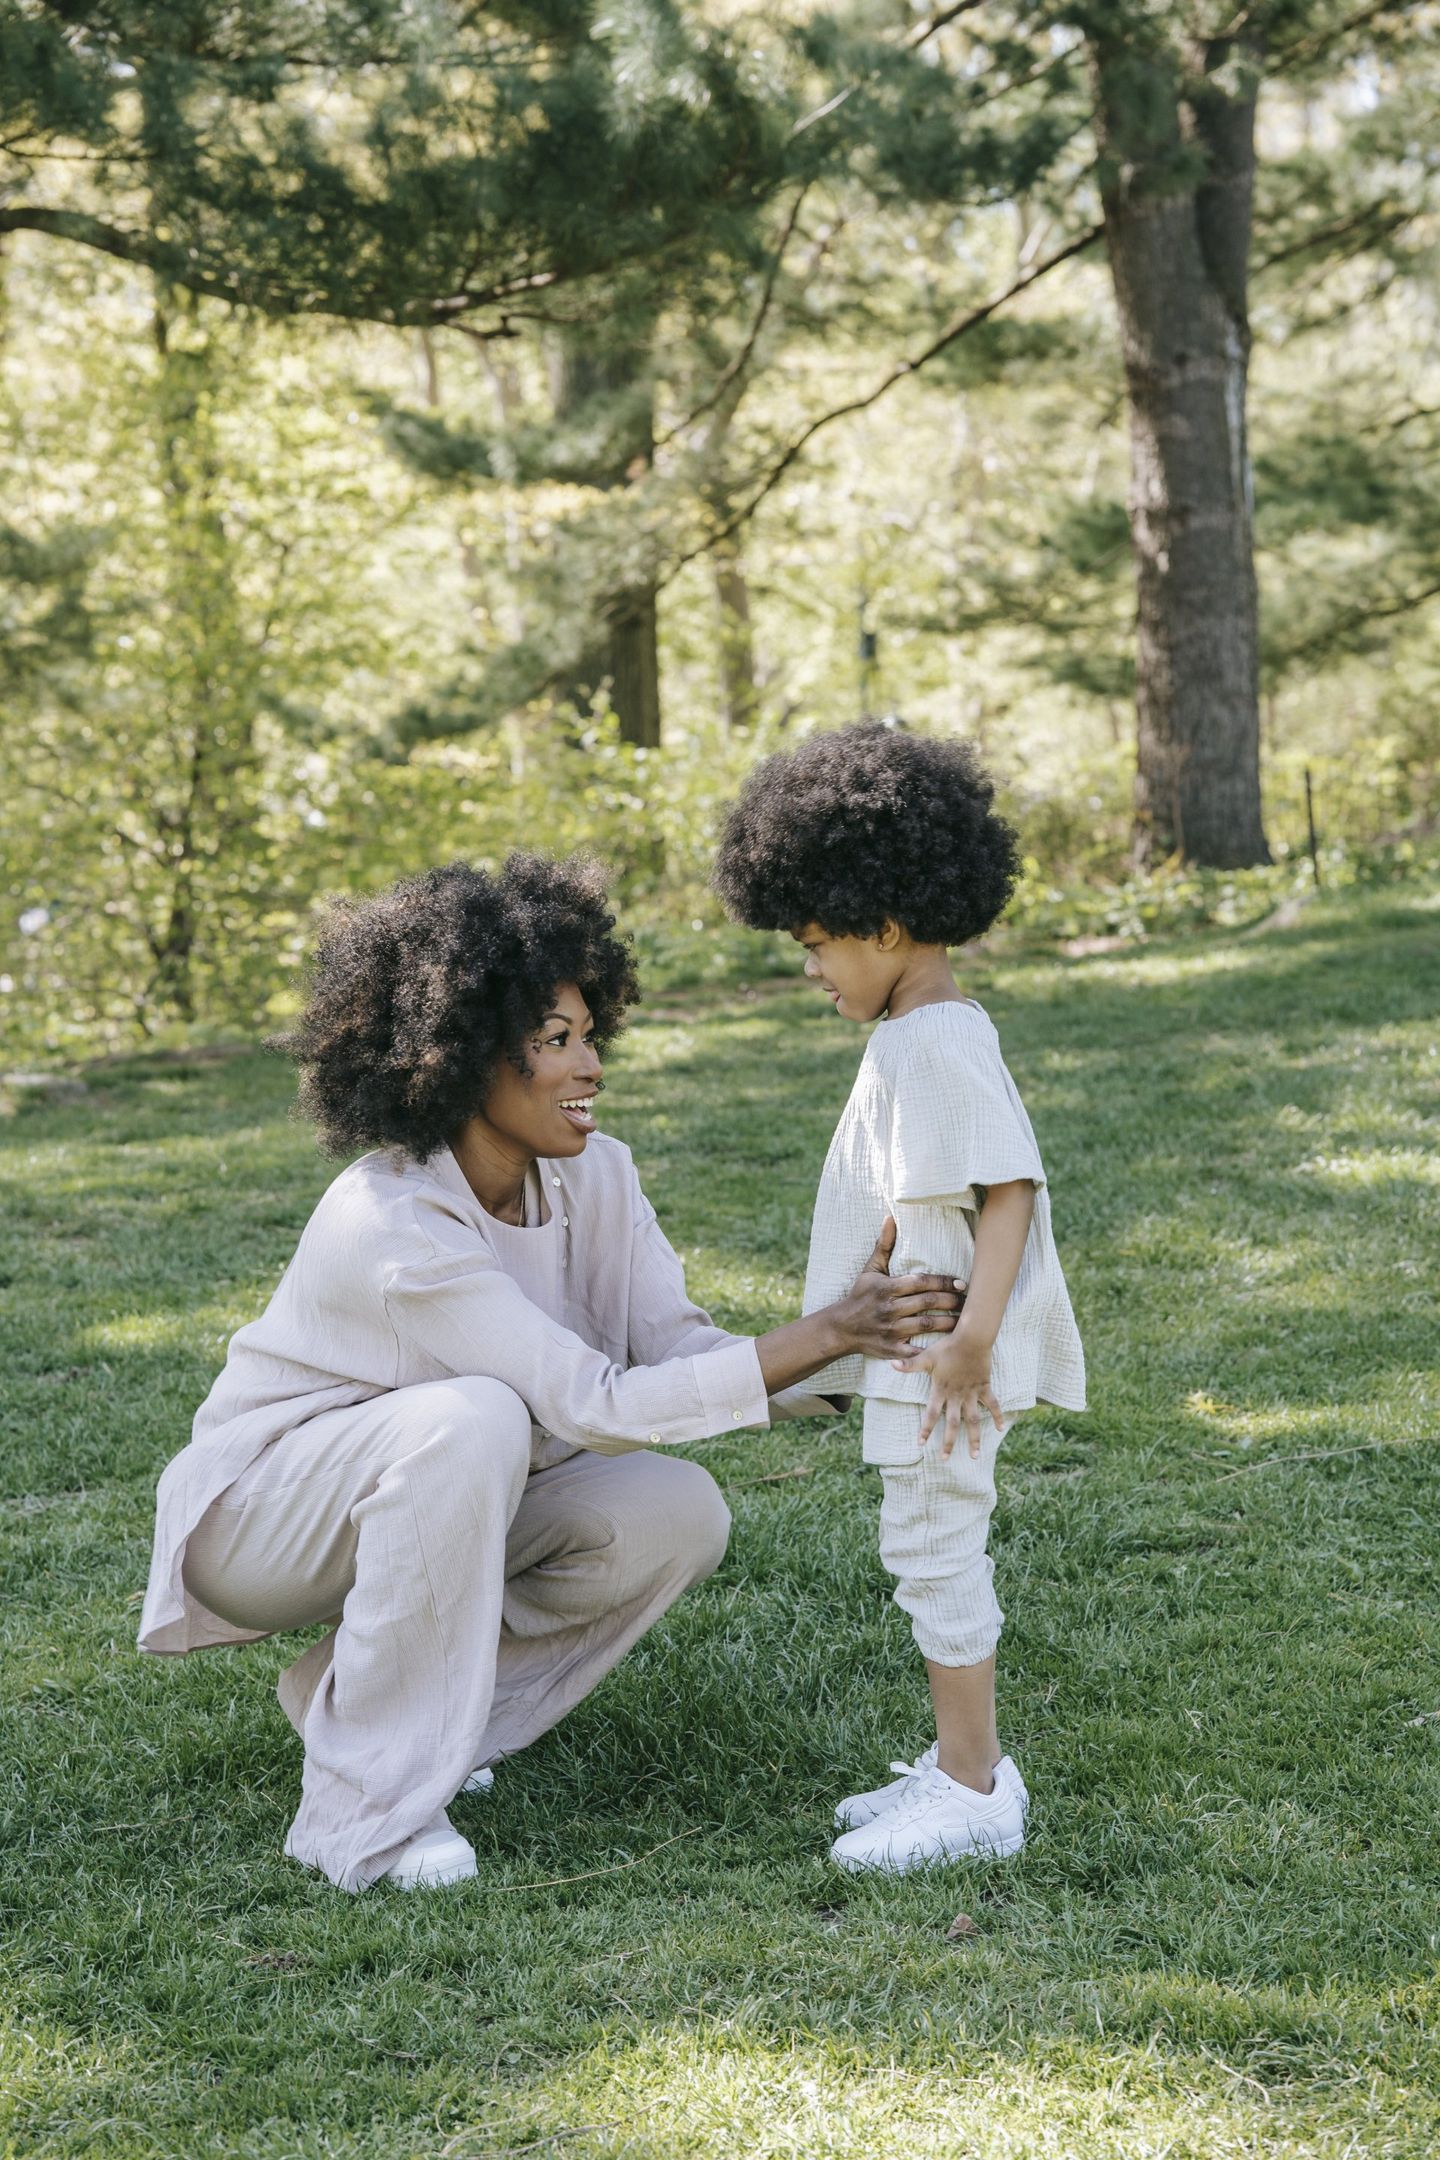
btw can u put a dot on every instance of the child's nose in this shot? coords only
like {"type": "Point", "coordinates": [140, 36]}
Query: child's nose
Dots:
{"type": "Point", "coordinates": [812, 966]}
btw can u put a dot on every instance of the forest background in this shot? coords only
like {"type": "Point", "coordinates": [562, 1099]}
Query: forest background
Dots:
{"type": "Point", "coordinates": [430, 431]}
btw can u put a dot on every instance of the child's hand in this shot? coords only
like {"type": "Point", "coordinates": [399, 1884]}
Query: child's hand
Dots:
{"type": "Point", "coordinates": [960, 1391]}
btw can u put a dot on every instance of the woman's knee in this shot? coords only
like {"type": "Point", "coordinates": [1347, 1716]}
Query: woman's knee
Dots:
{"type": "Point", "coordinates": [468, 1430]}
{"type": "Point", "coordinates": [686, 1523]}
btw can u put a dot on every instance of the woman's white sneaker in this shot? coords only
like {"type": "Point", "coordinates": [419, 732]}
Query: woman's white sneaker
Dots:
{"type": "Point", "coordinates": [934, 1820]}
{"type": "Point", "coordinates": [861, 1808]}
{"type": "Point", "coordinates": [435, 1855]}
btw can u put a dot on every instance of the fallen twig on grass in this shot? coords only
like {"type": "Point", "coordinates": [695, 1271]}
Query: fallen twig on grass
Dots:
{"type": "Point", "coordinates": [777, 1477]}
{"type": "Point", "coordinates": [1268, 1462]}
{"type": "Point", "coordinates": [556, 1882]}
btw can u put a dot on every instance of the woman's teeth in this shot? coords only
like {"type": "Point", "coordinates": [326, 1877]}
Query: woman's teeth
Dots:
{"type": "Point", "coordinates": [582, 1107]}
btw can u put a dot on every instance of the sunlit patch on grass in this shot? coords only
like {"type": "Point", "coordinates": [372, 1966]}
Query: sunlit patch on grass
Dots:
{"type": "Point", "coordinates": [199, 1327]}
{"type": "Point", "coordinates": [1291, 1421]}
{"type": "Point", "coordinates": [45, 2072]}
{"type": "Point", "coordinates": [680, 2093]}
{"type": "Point", "coordinates": [1374, 1166]}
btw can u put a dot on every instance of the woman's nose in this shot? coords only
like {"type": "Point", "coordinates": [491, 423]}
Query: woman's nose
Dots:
{"type": "Point", "coordinates": [590, 1066]}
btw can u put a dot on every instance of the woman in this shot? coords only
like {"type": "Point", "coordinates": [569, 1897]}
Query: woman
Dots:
{"type": "Point", "coordinates": [435, 1437]}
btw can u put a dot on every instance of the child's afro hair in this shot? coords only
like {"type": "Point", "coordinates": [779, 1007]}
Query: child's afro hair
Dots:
{"type": "Point", "coordinates": [417, 994]}
{"type": "Point", "coordinates": [865, 825]}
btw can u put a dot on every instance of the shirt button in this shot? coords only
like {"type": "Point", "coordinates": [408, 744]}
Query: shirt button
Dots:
{"type": "Point", "coordinates": [564, 1222]}
{"type": "Point", "coordinates": [655, 1436]}
{"type": "Point", "coordinates": [554, 1180]}
{"type": "Point", "coordinates": [737, 1414]}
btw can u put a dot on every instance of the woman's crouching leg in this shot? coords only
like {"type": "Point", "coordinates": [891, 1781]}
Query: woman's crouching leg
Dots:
{"type": "Point", "coordinates": [600, 1547]}
{"type": "Point", "coordinates": [402, 1506]}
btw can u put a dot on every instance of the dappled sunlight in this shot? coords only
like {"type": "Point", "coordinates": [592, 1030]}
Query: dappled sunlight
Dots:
{"type": "Point", "coordinates": [192, 1328]}
{"type": "Point", "coordinates": [1322, 1430]}
{"type": "Point", "coordinates": [725, 2086]}
{"type": "Point", "coordinates": [45, 2072]}
{"type": "Point", "coordinates": [1374, 1166]}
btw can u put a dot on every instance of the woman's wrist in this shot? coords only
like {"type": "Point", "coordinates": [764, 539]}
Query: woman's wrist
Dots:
{"type": "Point", "coordinates": [791, 1353]}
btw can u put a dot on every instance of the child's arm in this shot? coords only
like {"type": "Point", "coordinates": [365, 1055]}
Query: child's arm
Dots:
{"type": "Point", "coordinates": [959, 1367]}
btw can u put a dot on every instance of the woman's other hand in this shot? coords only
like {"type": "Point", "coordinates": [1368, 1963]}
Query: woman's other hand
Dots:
{"type": "Point", "coordinates": [884, 1313]}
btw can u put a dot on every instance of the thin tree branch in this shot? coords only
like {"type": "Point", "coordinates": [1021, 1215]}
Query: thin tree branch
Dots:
{"type": "Point", "coordinates": [739, 361]}
{"type": "Point", "coordinates": [923, 32]}
{"type": "Point", "coordinates": [1315, 48]}
{"type": "Point", "coordinates": [971, 320]}
{"type": "Point", "coordinates": [1372, 220]}
{"type": "Point", "coordinates": [1378, 611]}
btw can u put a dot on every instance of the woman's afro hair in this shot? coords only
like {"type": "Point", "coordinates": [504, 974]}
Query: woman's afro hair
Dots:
{"type": "Point", "coordinates": [865, 825]}
{"type": "Point", "coordinates": [417, 994]}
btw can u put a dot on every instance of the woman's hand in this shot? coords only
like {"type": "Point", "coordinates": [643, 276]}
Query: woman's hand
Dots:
{"type": "Point", "coordinates": [960, 1390]}
{"type": "Point", "coordinates": [879, 1317]}
{"type": "Point", "coordinates": [883, 1313]}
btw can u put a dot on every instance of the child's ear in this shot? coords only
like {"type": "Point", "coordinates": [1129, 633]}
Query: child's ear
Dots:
{"type": "Point", "coordinates": [888, 936]}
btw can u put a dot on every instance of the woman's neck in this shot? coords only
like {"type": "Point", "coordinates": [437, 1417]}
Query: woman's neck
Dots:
{"type": "Point", "coordinates": [495, 1168]}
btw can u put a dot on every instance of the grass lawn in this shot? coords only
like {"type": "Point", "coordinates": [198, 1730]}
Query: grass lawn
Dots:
{"type": "Point", "coordinates": [1219, 1670]}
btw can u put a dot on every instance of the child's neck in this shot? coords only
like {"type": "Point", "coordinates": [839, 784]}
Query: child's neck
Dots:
{"type": "Point", "coordinates": [924, 979]}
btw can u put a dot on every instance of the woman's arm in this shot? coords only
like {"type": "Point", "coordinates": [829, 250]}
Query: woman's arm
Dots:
{"type": "Point", "coordinates": [878, 1318]}
{"type": "Point", "coordinates": [455, 1304]}
{"type": "Point", "coordinates": [665, 1322]}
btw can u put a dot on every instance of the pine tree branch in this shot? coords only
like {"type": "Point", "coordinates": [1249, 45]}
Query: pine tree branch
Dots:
{"type": "Point", "coordinates": [740, 360]}
{"type": "Point", "coordinates": [923, 32]}
{"type": "Point", "coordinates": [1373, 221]}
{"type": "Point", "coordinates": [1300, 54]}
{"type": "Point", "coordinates": [971, 320]}
{"type": "Point", "coordinates": [1356, 619]}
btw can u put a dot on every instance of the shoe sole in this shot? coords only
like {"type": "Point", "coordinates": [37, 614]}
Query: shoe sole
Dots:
{"type": "Point", "coordinates": [436, 1878]}
{"type": "Point", "coordinates": [992, 1849]}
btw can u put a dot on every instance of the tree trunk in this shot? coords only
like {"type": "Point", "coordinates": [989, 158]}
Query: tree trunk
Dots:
{"type": "Point", "coordinates": [627, 654]}
{"type": "Point", "coordinates": [1178, 163]}
{"type": "Point", "coordinates": [632, 662]}
{"type": "Point", "coordinates": [738, 688]}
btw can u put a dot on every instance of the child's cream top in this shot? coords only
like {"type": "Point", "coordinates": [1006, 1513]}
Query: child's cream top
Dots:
{"type": "Point", "coordinates": [933, 1119]}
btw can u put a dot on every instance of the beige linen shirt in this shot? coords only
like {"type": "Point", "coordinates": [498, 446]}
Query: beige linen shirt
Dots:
{"type": "Point", "coordinates": [933, 1119]}
{"type": "Point", "coordinates": [401, 1278]}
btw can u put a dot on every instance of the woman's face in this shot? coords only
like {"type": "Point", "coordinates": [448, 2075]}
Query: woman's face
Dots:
{"type": "Point", "coordinates": [552, 1112]}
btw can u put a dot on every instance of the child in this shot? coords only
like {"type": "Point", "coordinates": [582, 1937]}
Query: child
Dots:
{"type": "Point", "coordinates": [876, 849]}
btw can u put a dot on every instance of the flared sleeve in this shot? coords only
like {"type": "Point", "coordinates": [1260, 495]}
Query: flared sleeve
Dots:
{"type": "Point", "coordinates": [958, 1123]}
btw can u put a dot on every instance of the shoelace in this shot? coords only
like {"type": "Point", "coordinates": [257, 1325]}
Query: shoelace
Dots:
{"type": "Point", "coordinates": [918, 1795]}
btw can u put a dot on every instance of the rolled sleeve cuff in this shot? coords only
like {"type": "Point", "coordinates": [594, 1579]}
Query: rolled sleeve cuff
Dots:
{"type": "Point", "coordinates": [732, 1389]}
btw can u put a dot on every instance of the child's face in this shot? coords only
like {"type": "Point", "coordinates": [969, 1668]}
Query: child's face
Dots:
{"type": "Point", "coordinates": [857, 974]}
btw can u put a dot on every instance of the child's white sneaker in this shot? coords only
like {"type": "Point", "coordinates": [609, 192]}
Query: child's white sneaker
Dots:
{"type": "Point", "coordinates": [481, 1780]}
{"type": "Point", "coordinates": [936, 1819]}
{"type": "Point", "coordinates": [863, 1807]}
{"type": "Point", "coordinates": [435, 1855]}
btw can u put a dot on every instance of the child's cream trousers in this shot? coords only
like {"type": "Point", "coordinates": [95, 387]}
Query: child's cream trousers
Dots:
{"type": "Point", "coordinates": [934, 1527]}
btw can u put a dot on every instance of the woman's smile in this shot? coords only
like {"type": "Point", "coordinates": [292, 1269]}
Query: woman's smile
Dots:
{"type": "Point", "coordinates": [580, 1111]}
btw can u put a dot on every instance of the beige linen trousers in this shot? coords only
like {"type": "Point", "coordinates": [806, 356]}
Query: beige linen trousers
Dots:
{"type": "Point", "coordinates": [473, 1601]}
{"type": "Point", "coordinates": [435, 1439]}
